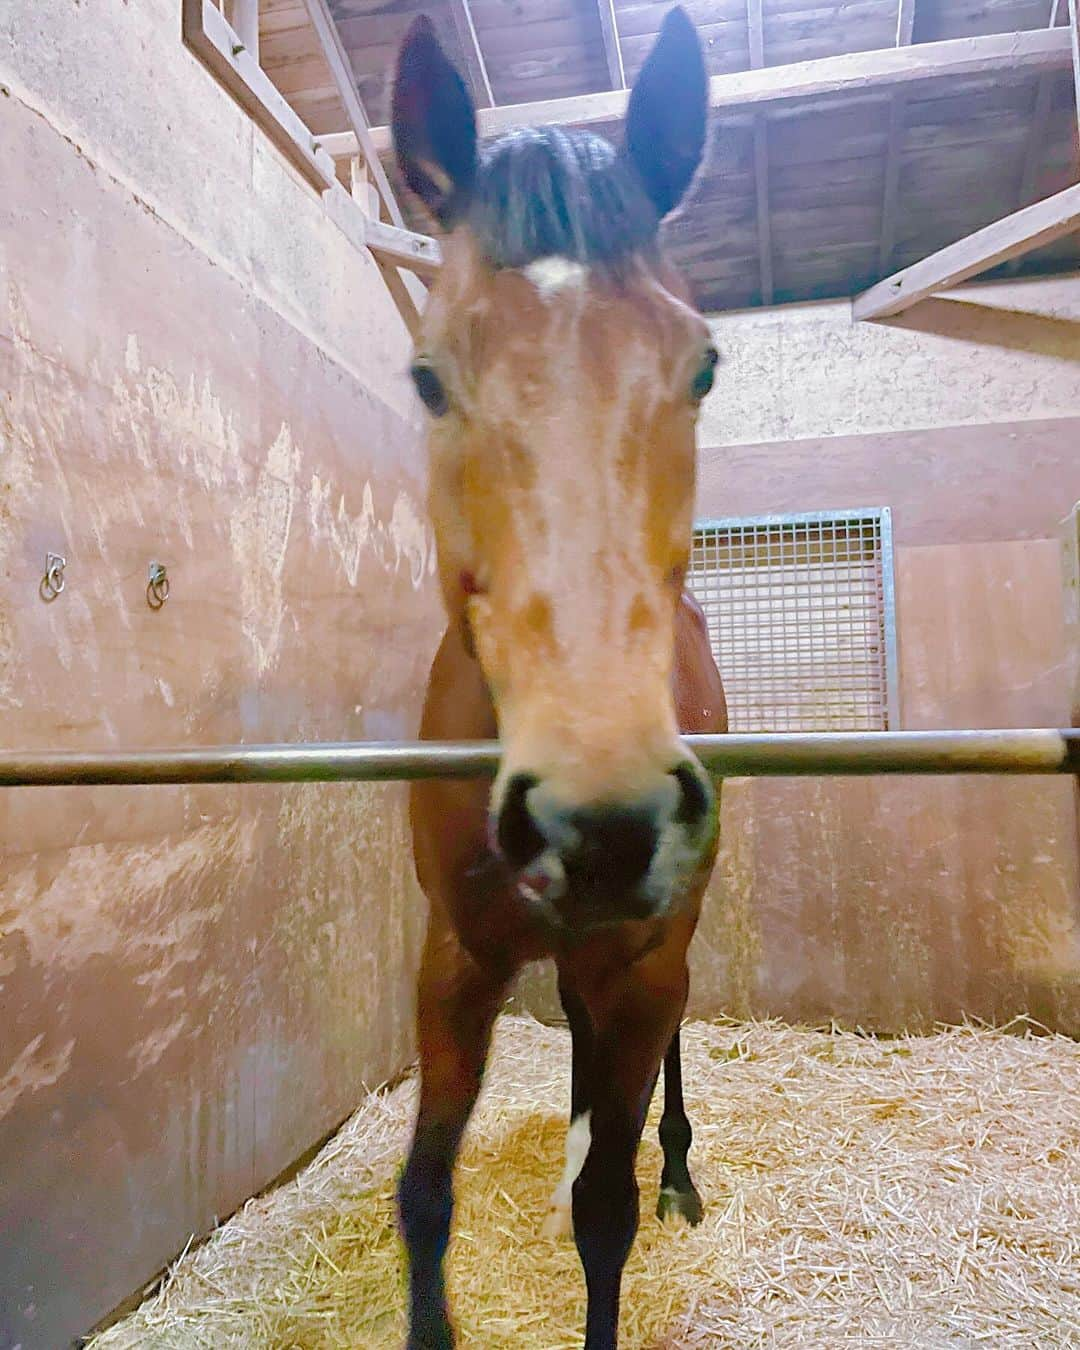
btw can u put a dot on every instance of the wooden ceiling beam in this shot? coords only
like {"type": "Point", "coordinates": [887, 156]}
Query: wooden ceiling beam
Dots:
{"type": "Point", "coordinates": [475, 66]}
{"type": "Point", "coordinates": [905, 22]}
{"type": "Point", "coordinates": [744, 92]}
{"type": "Point", "coordinates": [1024, 230]}
{"type": "Point", "coordinates": [609, 30]}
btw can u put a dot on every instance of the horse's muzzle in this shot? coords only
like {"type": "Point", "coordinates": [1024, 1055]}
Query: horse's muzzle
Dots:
{"type": "Point", "coordinates": [581, 867]}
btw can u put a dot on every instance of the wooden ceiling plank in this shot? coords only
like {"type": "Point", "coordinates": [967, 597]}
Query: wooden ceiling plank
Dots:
{"type": "Point", "coordinates": [609, 29]}
{"type": "Point", "coordinates": [764, 228]}
{"type": "Point", "coordinates": [1074, 33]}
{"type": "Point", "coordinates": [475, 66]}
{"type": "Point", "coordinates": [756, 29]}
{"type": "Point", "coordinates": [1005, 239]}
{"type": "Point", "coordinates": [878, 72]}
{"type": "Point", "coordinates": [905, 26]}
{"type": "Point", "coordinates": [1036, 141]}
{"type": "Point", "coordinates": [1038, 133]}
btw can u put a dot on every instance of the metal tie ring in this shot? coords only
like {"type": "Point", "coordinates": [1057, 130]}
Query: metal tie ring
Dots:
{"type": "Point", "coordinates": [157, 588]}
{"type": "Point", "coordinates": [52, 583]}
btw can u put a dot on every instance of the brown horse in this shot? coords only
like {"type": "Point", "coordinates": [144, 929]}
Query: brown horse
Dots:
{"type": "Point", "coordinates": [562, 366]}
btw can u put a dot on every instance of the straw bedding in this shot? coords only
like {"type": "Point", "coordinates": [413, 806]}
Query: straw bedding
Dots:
{"type": "Point", "coordinates": [859, 1192]}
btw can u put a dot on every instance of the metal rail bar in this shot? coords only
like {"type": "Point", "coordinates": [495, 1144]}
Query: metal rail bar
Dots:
{"type": "Point", "coordinates": [1037, 751]}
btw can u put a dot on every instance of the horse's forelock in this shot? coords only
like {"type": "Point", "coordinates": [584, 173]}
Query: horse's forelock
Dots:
{"type": "Point", "coordinates": [548, 192]}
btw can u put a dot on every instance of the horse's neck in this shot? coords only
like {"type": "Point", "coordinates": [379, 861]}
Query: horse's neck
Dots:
{"type": "Point", "coordinates": [700, 704]}
{"type": "Point", "coordinates": [459, 707]}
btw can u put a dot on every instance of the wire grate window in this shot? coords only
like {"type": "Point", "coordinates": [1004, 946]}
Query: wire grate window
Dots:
{"type": "Point", "coordinates": [802, 619]}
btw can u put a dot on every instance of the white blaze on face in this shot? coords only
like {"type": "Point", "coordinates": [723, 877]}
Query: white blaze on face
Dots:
{"type": "Point", "coordinates": [578, 1139]}
{"type": "Point", "coordinates": [554, 274]}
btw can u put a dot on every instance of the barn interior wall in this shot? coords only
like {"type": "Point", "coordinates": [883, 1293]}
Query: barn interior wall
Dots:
{"type": "Point", "coordinates": [892, 903]}
{"type": "Point", "coordinates": [197, 366]}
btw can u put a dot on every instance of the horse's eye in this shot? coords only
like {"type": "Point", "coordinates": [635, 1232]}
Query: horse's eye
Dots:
{"type": "Point", "coordinates": [430, 388]}
{"type": "Point", "coordinates": [703, 380]}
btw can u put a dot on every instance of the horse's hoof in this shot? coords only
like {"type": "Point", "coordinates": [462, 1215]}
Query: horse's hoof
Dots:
{"type": "Point", "coordinates": [559, 1223]}
{"type": "Point", "coordinates": [434, 1336]}
{"type": "Point", "coordinates": [677, 1207]}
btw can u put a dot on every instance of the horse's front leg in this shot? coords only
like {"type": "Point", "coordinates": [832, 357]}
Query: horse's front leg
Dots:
{"type": "Point", "coordinates": [679, 1199]}
{"type": "Point", "coordinates": [456, 1006]}
{"type": "Point", "coordinates": [559, 1222]}
{"type": "Point", "coordinates": [630, 1044]}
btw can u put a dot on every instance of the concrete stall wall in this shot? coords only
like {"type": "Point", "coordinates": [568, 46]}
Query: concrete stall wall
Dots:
{"type": "Point", "coordinates": [893, 903]}
{"type": "Point", "coordinates": [198, 365]}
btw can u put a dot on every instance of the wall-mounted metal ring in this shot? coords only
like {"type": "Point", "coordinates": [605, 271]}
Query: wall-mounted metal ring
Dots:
{"type": "Point", "coordinates": [52, 583]}
{"type": "Point", "coordinates": [157, 588]}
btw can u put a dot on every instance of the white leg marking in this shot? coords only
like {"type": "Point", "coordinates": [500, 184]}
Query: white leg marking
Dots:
{"type": "Point", "coordinates": [559, 1221]}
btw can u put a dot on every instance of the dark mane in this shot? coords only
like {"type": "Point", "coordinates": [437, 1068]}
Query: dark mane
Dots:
{"type": "Point", "coordinates": [542, 191]}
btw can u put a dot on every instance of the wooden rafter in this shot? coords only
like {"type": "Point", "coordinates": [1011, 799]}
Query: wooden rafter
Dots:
{"type": "Point", "coordinates": [213, 39]}
{"type": "Point", "coordinates": [1019, 233]}
{"type": "Point", "coordinates": [475, 66]}
{"type": "Point", "coordinates": [609, 30]}
{"type": "Point", "coordinates": [244, 17]}
{"type": "Point", "coordinates": [744, 92]}
{"type": "Point", "coordinates": [417, 253]}
{"type": "Point", "coordinates": [756, 30]}
{"type": "Point", "coordinates": [322, 21]}
{"type": "Point", "coordinates": [401, 287]}
{"type": "Point", "coordinates": [217, 44]}
{"type": "Point", "coordinates": [905, 22]}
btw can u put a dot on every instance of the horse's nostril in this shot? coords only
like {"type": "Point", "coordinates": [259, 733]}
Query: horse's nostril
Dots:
{"type": "Point", "coordinates": [517, 834]}
{"type": "Point", "coordinates": [697, 794]}
{"type": "Point", "coordinates": [614, 845]}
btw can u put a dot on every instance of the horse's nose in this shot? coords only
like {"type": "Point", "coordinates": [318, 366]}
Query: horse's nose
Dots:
{"type": "Point", "coordinates": [604, 856]}
{"type": "Point", "coordinates": [698, 799]}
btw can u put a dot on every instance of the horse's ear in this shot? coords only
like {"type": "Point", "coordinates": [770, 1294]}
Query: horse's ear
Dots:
{"type": "Point", "coordinates": [665, 122]}
{"type": "Point", "coordinates": [434, 125]}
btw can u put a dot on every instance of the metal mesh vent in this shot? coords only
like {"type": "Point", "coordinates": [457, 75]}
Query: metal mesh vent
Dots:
{"type": "Point", "coordinates": [802, 619]}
